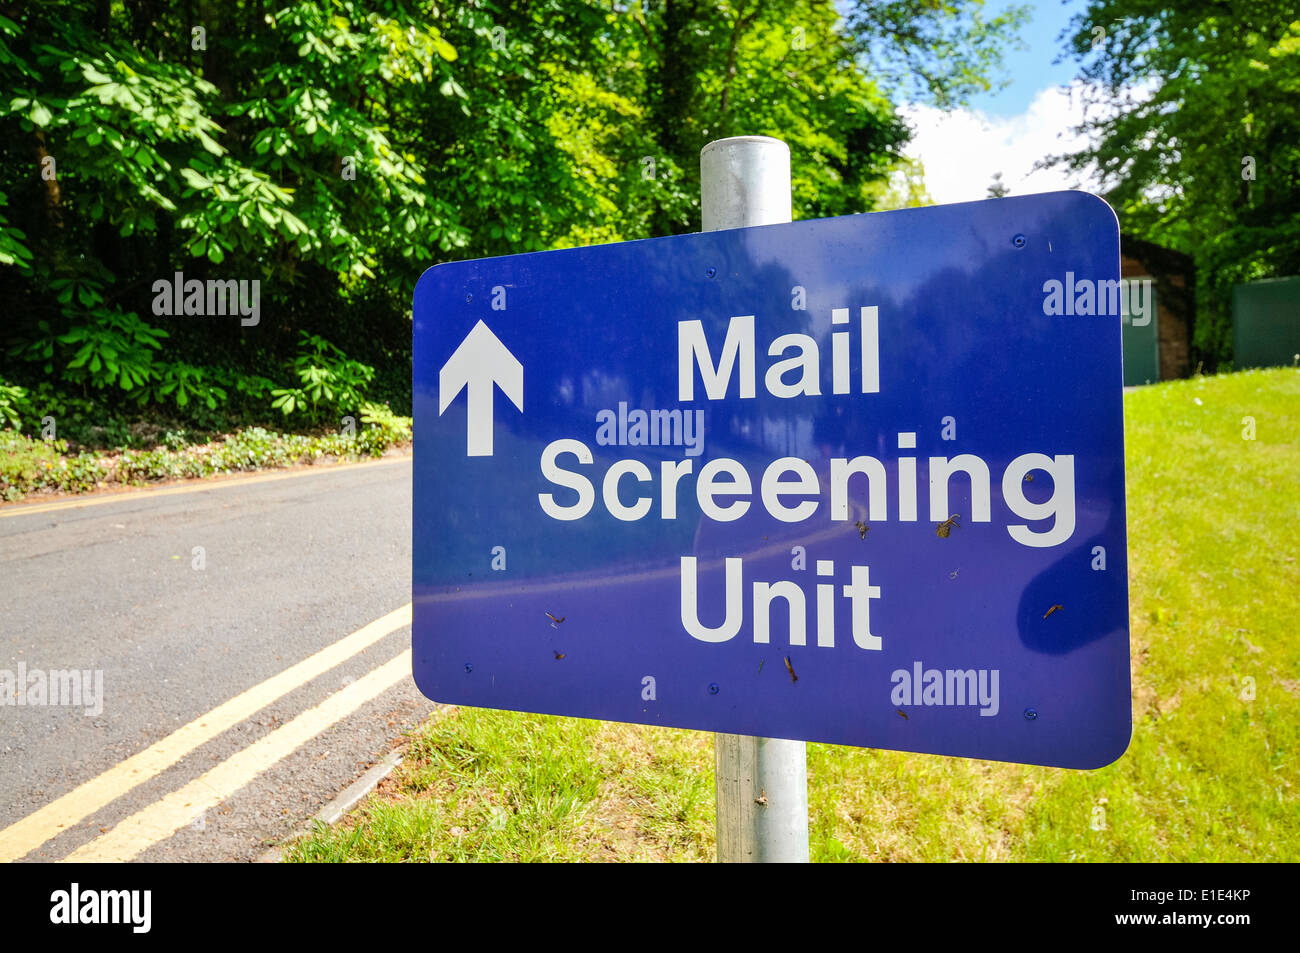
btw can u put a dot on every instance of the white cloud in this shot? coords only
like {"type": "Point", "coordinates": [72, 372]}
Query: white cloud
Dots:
{"type": "Point", "coordinates": [962, 149]}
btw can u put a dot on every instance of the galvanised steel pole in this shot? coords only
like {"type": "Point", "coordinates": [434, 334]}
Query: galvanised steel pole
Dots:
{"type": "Point", "coordinates": [762, 783]}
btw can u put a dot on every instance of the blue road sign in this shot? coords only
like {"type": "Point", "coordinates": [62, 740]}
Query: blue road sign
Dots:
{"type": "Point", "coordinates": [857, 480]}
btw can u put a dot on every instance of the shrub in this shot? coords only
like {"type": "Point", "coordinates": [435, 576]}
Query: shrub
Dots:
{"type": "Point", "coordinates": [330, 380]}
{"type": "Point", "coordinates": [11, 400]}
{"type": "Point", "coordinates": [27, 464]}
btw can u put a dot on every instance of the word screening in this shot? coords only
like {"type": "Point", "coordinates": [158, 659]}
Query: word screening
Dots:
{"type": "Point", "coordinates": [790, 489]}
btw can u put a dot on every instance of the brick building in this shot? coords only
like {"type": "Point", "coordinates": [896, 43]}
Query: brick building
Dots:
{"type": "Point", "coordinates": [1163, 350]}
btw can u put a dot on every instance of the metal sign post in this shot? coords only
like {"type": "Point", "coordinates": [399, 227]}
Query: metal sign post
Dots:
{"type": "Point", "coordinates": [762, 783]}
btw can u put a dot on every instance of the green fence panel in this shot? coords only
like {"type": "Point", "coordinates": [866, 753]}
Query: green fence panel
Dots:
{"type": "Point", "coordinates": [1141, 345]}
{"type": "Point", "coordinates": [1266, 322]}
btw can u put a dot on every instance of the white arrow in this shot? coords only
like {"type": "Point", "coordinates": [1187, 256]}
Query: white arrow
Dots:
{"type": "Point", "coordinates": [480, 362]}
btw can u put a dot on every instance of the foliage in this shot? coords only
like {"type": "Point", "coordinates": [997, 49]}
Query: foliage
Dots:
{"type": "Point", "coordinates": [943, 50]}
{"type": "Point", "coordinates": [383, 428]}
{"type": "Point", "coordinates": [328, 377]}
{"type": "Point", "coordinates": [112, 348]}
{"type": "Point", "coordinates": [28, 465]}
{"type": "Point", "coordinates": [11, 400]}
{"type": "Point", "coordinates": [1195, 131]}
{"type": "Point", "coordinates": [184, 382]}
{"type": "Point", "coordinates": [331, 150]}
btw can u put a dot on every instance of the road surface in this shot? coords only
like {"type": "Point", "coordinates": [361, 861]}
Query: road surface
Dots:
{"type": "Point", "coordinates": [253, 638]}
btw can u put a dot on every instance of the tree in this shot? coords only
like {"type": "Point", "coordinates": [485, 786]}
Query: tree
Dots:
{"type": "Point", "coordinates": [225, 141]}
{"type": "Point", "coordinates": [1195, 134]}
{"type": "Point", "coordinates": [334, 149]}
{"type": "Point", "coordinates": [997, 188]}
{"type": "Point", "coordinates": [937, 50]}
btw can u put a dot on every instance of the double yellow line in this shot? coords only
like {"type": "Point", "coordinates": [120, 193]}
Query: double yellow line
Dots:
{"type": "Point", "coordinates": [160, 820]}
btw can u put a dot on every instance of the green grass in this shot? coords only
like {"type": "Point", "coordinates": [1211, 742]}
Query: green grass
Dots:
{"type": "Point", "coordinates": [483, 785]}
{"type": "Point", "coordinates": [1211, 773]}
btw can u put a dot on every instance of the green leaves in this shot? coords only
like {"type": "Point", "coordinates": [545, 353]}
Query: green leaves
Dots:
{"type": "Point", "coordinates": [334, 149]}
{"type": "Point", "coordinates": [329, 379]}
{"type": "Point", "coordinates": [184, 382]}
{"type": "Point", "coordinates": [13, 241]}
{"type": "Point", "coordinates": [11, 397]}
{"type": "Point", "coordinates": [287, 400]}
{"type": "Point", "coordinates": [195, 180]}
{"type": "Point", "coordinates": [443, 48]}
{"type": "Point", "coordinates": [1181, 96]}
{"type": "Point", "coordinates": [111, 348]}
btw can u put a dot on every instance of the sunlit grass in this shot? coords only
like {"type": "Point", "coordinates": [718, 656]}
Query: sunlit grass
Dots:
{"type": "Point", "coordinates": [484, 785]}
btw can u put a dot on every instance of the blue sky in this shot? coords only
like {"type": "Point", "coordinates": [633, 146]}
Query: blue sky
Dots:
{"type": "Point", "coordinates": [1011, 130]}
{"type": "Point", "coordinates": [1031, 70]}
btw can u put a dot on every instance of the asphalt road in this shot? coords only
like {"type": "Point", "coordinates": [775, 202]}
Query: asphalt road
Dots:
{"type": "Point", "coordinates": [288, 567]}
